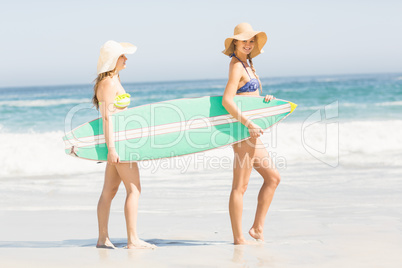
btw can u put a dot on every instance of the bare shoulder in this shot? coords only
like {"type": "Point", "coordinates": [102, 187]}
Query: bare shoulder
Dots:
{"type": "Point", "coordinates": [107, 87]}
{"type": "Point", "coordinates": [235, 68]}
{"type": "Point", "coordinates": [235, 65]}
{"type": "Point", "coordinates": [106, 83]}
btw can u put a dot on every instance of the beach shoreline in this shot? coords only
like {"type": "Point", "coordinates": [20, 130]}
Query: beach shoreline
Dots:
{"type": "Point", "coordinates": [318, 219]}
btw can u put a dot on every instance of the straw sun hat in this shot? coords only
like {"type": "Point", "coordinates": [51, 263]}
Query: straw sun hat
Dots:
{"type": "Point", "coordinates": [110, 53]}
{"type": "Point", "coordinates": [244, 31]}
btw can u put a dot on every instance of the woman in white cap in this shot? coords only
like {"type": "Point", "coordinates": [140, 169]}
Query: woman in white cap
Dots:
{"type": "Point", "coordinates": [110, 97]}
{"type": "Point", "coordinates": [242, 47]}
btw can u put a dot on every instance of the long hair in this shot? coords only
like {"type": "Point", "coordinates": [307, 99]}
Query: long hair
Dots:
{"type": "Point", "coordinates": [253, 69]}
{"type": "Point", "coordinates": [97, 81]}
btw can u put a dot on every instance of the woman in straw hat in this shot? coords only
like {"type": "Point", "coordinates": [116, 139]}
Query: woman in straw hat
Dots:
{"type": "Point", "coordinates": [110, 97]}
{"type": "Point", "coordinates": [242, 47]}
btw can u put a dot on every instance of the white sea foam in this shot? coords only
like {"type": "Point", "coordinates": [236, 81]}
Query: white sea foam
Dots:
{"type": "Point", "coordinates": [389, 103]}
{"type": "Point", "coordinates": [364, 143]}
{"type": "Point", "coordinates": [37, 154]}
{"type": "Point", "coordinates": [327, 79]}
{"type": "Point", "coordinates": [308, 108]}
{"type": "Point", "coordinates": [353, 104]}
{"type": "Point", "coordinates": [42, 102]}
{"type": "Point", "coordinates": [217, 86]}
{"type": "Point", "coordinates": [341, 104]}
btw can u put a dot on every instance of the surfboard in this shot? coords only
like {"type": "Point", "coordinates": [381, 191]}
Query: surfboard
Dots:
{"type": "Point", "coordinates": [174, 128]}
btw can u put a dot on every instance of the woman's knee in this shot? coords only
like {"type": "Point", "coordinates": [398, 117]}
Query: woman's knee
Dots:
{"type": "Point", "coordinates": [240, 189]}
{"type": "Point", "coordinates": [110, 193]}
{"type": "Point", "coordinates": [275, 179]}
{"type": "Point", "coordinates": [133, 189]}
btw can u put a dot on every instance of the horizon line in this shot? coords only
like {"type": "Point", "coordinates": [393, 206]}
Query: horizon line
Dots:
{"type": "Point", "coordinates": [207, 79]}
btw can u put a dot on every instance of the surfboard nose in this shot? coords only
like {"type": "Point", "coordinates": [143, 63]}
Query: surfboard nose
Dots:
{"type": "Point", "coordinates": [292, 106]}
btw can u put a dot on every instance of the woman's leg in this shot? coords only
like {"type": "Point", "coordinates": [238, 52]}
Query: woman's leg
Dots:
{"type": "Point", "coordinates": [265, 166]}
{"type": "Point", "coordinates": [130, 176]}
{"type": "Point", "coordinates": [242, 166]}
{"type": "Point", "coordinates": [110, 187]}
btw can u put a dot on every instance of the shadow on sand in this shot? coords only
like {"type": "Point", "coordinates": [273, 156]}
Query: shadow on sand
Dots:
{"type": "Point", "coordinates": [120, 243]}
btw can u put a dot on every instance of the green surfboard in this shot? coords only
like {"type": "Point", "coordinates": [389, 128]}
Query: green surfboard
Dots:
{"type": "Point", "coordinates": [174, 128]}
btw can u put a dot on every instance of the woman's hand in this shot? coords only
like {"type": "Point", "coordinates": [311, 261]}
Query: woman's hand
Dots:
{"type": "Point", "coordinates": [269, 97]}
{"type": "Point", "coordinates": [112, 157]}
{"type": "Point", "coordinates": [254, 130]}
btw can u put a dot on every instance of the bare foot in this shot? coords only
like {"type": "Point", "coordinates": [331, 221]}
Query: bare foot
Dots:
{"type": "Point", "coordinates": [140, 244]}
{"type": "Point", "coordinates": [243, 242]}
{"type": "Point", "coordinates": [256, 234]}
{"type": "Point", "coordinates": [107, 244]}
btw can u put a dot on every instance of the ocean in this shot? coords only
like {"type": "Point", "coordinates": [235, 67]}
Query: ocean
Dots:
{"type": "Point", "coordinates": [364, 126]}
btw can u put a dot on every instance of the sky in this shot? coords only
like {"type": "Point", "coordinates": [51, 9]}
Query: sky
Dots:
{"type": "Point", "coordinates": [58, 42]}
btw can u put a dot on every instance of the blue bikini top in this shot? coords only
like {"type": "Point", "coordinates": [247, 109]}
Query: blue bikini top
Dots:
{"type": "Point", "coordinates": [251, 85]}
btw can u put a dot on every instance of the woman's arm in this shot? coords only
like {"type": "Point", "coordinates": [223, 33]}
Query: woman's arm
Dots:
{"type": "Point", "coordinates": [235, 73]}
{"type": "Point", "coordinates": [106, 95]}
{"type": "Point", "coordinates": [267, 97]}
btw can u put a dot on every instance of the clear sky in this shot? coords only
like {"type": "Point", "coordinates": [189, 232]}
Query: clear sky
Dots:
{"type": "Point", "coordinates": [58, 42]}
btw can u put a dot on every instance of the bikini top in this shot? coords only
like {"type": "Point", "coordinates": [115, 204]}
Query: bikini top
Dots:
{"type": "Point", "coordinates": [251, 85]}
{"type": "Point", "coordinates": [122, 101]}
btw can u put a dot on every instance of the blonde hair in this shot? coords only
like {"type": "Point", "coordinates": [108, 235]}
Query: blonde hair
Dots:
{"type": "Point", "coordinates": [97, 81]}
{"type": "Point", "coordinates": [253, 69]}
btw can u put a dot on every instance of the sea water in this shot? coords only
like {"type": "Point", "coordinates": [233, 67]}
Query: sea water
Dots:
{"type": "Point", "coordinates": [339, 156]}
{"type": "Point", "coordinates": [343, 119]}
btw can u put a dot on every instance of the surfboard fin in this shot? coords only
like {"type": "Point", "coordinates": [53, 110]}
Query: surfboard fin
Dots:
{"type": "Point", "coordinates": [73, 151]}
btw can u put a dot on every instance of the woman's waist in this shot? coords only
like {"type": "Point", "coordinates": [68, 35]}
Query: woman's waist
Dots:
{"type": "Point", "coordinates": [255, 93]}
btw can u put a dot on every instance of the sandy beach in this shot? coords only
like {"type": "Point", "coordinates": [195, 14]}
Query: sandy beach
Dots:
{"type": "Point", "coordinates": [321, 216]}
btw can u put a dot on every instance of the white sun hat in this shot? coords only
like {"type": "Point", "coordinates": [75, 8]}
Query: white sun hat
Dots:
{"type": "Point", "coordinates": [110, 53]}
